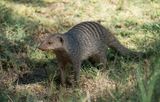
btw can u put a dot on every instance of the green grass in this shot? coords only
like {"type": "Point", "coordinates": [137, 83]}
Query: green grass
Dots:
{"type": "Point", "coordinates": [147, 86]}
{"type": "Point", "coordinates": [134, 22]}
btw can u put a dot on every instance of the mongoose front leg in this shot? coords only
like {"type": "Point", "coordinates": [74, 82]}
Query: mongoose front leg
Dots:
{"type": "Point", "coordinates": [61, 67]}
{"type": "Point", "coordinates": [76, 68]}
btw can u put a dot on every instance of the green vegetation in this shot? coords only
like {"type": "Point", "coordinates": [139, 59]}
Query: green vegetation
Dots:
{"type": "Point", "coordinates": [28, 74]}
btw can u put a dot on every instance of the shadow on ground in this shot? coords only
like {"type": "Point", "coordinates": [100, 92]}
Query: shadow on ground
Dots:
{"type": "Point", "coordinates": [14, 53]}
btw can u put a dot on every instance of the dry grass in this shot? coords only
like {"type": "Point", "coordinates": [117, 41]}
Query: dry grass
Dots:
{"type": "Point", "coordinates": [28, 74]}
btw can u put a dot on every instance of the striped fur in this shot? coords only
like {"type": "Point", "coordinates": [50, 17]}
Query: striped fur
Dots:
{"type": "Point", "coordinates": [82, 41]}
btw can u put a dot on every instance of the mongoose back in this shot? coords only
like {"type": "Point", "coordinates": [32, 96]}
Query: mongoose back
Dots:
{"type": "Point", "coordinates": [82, 41]}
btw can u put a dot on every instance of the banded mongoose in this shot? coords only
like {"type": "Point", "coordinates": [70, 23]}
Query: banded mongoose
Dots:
{"type": "Point", "coordinates": [84, 40]}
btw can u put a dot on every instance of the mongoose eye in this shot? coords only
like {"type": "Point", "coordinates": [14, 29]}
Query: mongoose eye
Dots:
{"type": "Point", "coordinates": [49, 43]}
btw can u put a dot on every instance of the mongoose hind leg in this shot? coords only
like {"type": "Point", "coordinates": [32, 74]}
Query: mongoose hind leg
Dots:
{"type": "Point", "coordinates": [100, 59]}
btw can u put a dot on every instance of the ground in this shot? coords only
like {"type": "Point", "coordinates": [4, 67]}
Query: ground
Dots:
{"type": "Point", "coordinates": [29, 75]}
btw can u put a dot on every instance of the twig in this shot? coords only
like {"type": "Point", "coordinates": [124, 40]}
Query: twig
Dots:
{"type": "Point", "coordinates": [9, 98]}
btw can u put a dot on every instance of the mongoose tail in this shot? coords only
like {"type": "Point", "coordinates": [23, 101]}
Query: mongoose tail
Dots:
{"type": "Point", "coordinates": [114, 44]}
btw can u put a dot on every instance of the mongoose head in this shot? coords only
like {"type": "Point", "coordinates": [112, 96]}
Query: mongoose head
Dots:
{"type": "Point", "coordinates": [52, 42]}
